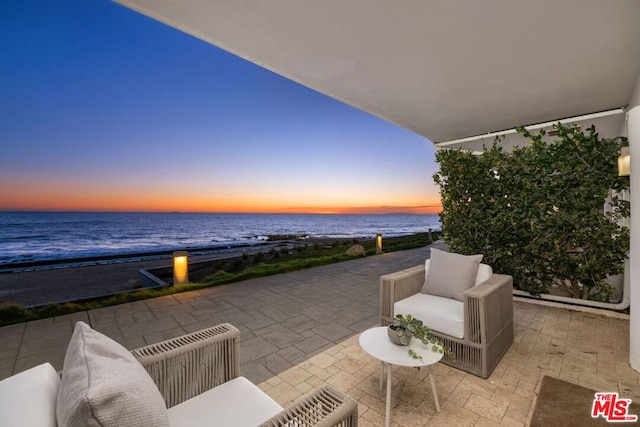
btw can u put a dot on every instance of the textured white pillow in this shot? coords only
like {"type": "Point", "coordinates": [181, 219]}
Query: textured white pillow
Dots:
{"type": "Point", "coordinates": [450, 274]}
{"type": "Point", "coordinates": [103, 384]}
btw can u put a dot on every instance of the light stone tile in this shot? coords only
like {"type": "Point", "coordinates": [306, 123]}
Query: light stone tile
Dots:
{"type": "Point", "coordinates": [526, 388]}
{"type": "Point", "coordinates": [295, 375]}
{"type": "Point", "coordinates": [485, 422]}
{"type": "Point", "coordinates": [374, 417]}
{"type": "Point", "coordinates": [265, 386]}
{"type": "Point", "coordinates": [510, 422]}
{"type": "Point", "coordinates": [478, 386]}
{"type": "Point", "coordinates": [284, 393]}
{"type": "Point", "coordinates": [322, 373]}
{"type": "Point", "coordinates": [500, 399]}
{"type": "Point", "coordinates": [354, 351]}
{"type": "Point", "coordinates": [461, 415]}
{"type": "Point", "coordinates": [304, 387]}
{"type": "Point", "coordinates": [459, 397]}
{"type": "Point", "coordinates": [519, 411]}
{"type": "Point", "coordinates": [274, 381]}
{"type": "Point", "coordinates": [342, 381]}
{"type": "Point", "coordinates": [323, 360]}
{"type": "Point", "coordinates": [444, 419]}
{"type": "Point", "coordinates": [486, 408]}
{"type": "Point", "coordinates": [349, 365]}
{"type": "Point", "coordinates": [405, 415]}
{"type": "Point", "coordinates": [315, 381]}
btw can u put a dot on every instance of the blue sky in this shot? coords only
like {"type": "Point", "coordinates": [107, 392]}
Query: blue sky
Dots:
{"type": "Point", "coordinates": [105, 109]}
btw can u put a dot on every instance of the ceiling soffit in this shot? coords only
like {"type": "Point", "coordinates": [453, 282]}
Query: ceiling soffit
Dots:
{"type": "Point", "coordinates": [443, 69]}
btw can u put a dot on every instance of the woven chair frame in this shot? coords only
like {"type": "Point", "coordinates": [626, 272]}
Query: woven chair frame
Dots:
{"type": "Point", "coordinates": [324, 407]}
{"type": "Point", "coordinates": [488, 318]}
{"type": "Point", "coordinates": [189, 365]}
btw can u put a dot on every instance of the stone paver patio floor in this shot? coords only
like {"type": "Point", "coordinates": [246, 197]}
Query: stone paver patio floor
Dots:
{"type": "Point", "coordinates": [299, 330]}
{"type": "Point", "coordinates": [583, 348]}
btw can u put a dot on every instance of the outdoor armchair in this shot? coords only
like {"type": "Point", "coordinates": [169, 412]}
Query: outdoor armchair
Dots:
{"type": "Point", "coordinates": [193, 364]}
{"type": "Point", "coordinates": [478, 336]}
{"type": "Point", "coordinates": [197, 379]}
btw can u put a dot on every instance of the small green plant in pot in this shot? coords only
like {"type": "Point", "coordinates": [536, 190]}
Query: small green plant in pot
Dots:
{"type": "Point", "coordinates": [404, 328]}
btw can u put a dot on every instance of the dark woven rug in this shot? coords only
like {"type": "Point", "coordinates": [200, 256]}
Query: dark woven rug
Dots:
{"type": "Point", "coordinates": [563, 404]}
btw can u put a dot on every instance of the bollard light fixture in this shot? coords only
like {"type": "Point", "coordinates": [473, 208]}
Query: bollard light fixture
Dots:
{"type": "Point", "coordinates": [378, 243]}
{"type": "Point", "coordinates": [624, 162]}
{"type": "Point", "coordinates": [180, 267]}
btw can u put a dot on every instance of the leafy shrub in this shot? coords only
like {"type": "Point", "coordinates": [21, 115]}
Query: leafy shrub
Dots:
{"type": "Point", "coordinates": [538, 213]}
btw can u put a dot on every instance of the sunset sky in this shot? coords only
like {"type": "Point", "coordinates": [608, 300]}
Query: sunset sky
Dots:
{"type": "Point", "coordinates": [104, 109]}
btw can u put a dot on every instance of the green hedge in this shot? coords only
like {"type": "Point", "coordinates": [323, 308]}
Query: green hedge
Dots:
{"type": "Point", "coordinates": [538, 213]}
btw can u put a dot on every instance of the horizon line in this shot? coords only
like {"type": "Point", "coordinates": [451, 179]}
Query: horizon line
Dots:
{"type": "Point", "coordinates": [297, 211]}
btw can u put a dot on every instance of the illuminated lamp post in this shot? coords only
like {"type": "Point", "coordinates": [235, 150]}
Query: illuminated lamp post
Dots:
{"type": "Point", "coordinates": [378, 243]}
{"type": "Point", "coordinates": [180, 267]}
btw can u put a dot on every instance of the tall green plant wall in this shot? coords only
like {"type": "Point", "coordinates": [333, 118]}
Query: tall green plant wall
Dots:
{"type": "Point", "coordinates": [543, 213]}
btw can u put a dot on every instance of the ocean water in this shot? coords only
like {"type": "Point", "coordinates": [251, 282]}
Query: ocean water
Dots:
{"type": "Point", "coordinates": [36, 236]}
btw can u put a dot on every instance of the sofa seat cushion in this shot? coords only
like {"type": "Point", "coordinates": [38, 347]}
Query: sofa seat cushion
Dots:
{"type": "Point", "coordinates": [445, 315]}
{"type": "Point", "coordinates": [103, 384]}
{"type": "Point", "coordinates": [235, 403]}
{"type": "Point", "coordinates": [29, 398]}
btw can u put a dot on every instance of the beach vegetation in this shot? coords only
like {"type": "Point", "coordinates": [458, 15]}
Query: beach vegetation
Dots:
{"type": "Point", "coordinates": [551, 214]}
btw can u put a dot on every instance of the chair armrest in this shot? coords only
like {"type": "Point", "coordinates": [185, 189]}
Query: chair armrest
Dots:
{"type": "Point", "coordinates": [191, 364]}
{"type": "Point", "coordinates": [397, 286]}
{"type": "Point", "coordinates": [488, 307]}
{"type": "Point", "coordinates": [324, 407]}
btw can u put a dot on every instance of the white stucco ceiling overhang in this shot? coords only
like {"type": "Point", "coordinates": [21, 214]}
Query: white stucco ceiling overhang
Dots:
{"type": "Point", "coordinates": [444, 69]}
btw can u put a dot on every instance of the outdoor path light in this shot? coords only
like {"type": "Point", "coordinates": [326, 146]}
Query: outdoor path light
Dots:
{"type": "Point", "coordinates": [180, 267]}
{"type": "Point", "coordinates": [378, 243]}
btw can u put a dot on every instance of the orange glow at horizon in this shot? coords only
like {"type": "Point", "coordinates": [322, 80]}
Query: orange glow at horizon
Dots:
{"type": "Point", "coordinates": [92, 197]}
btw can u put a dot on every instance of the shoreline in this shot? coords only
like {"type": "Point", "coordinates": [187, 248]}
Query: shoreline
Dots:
{"type": "Point", "coordinates": [83, 279]}
{"type": "Point", "coordinates": [123, 257]}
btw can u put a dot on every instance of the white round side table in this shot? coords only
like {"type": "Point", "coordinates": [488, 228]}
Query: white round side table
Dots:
{"type": "Point", "coordinates": [376, 342]}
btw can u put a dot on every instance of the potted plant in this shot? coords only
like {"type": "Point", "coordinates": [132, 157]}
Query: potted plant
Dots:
{"type": "Point", "coordinates": [404, 328]}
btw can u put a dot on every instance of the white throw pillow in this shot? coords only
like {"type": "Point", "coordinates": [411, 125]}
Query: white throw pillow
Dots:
{"type": "Point", "coordinates": [450, 274]}
{"type": "Point", "coordinates": [103, 384]}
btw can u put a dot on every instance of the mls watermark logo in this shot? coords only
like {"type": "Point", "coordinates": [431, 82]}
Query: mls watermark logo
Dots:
{"type": "Point", "coordinates": [613, 409]}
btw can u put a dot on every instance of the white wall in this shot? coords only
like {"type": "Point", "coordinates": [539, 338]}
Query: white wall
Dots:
{"type": "Point", "coordinates": [633, 133]}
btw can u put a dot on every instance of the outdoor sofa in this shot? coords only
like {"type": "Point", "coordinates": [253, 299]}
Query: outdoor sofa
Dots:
{"type": "Point", "coordinates": [195, 376]}
{"type": "Point", "coordinates": [477, 325]}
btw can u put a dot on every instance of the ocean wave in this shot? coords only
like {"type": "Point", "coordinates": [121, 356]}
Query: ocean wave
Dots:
{"type": "Point", "coordinates": [51, 236]}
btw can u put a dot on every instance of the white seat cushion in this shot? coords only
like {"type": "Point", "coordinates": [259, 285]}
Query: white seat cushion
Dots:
{"type": "Point", "coordinates": [29, 398]}
{"type": "Point", "coordinates": [235, 403]}
{"type": "Point", "coordinates": [445, 315]}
